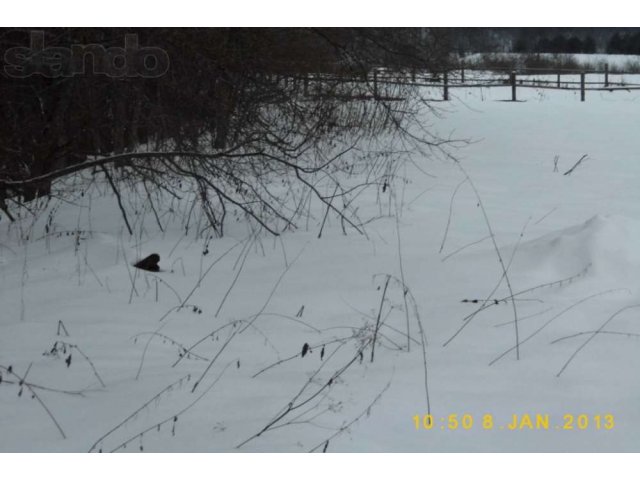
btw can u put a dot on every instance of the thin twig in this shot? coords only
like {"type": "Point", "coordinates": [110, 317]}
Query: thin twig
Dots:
{"type": "Point", "coordinates": [446, 229]}
{"type": "Point", "coordinates": [543, 326]}
{"type": "Point", "coordinates": [568, 172]}
{"type": "Point", "coordinates": [181, 347]}
{"type": "Point", "coordinates": [292, 405]}
{"type": "Point", "coordinates": [593, 335]}
{"type": "Point", "coordinates": [601, 332]}
{"type": "Point", "coordinates": [235, 278]}
{"type": "Point", "coordinates": [203, 275]}
{"type": "Point", "coordinates": [466, 320]}
{"type": "Point", "coordinates": [326, 213]}
{"type": "Point", "coordinates": [446, 257]}
{"type": "Point", "coordinates": [249, 323]}
{"type": "Point", "coordinates": [36, 396]}
{"type": "Point", "coordinates": [342, 429]}
{"type": "Point", "coordinates": [137, 411]}
{"type": "Point", "coordinates": [173, 417]}
{"type": "Point", "coordinates": [118, 198]}
{"type": "Point", "coordinates": [546, 215]}
{"type": "Point", "coordinates": [375, 331]}
{"type": "Point", "coordinates": [93, 367]}
{"type": "Point", "coordinates": [297, 354]}
{"type": "Point", "coordinates": [401, 266]}
{"type": "Point", "coordinates": [498, 254]}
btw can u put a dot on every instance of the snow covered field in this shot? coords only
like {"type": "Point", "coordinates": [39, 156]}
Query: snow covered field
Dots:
{"type": "Point", "coordinates": [570, 243]}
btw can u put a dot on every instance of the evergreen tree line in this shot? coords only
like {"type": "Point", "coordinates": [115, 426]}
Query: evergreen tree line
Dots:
{"type": "Point", "coordinates": [624, 43]}
{"type": "Point", "coordinates": [556, 44]}
{"type": "Point", "coordinates": [620, 42]}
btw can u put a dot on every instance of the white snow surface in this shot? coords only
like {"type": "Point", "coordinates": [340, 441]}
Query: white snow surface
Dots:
{"type": "Point", "coordinates": [576, 237]}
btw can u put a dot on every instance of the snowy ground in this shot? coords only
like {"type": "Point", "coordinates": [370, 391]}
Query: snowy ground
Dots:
{"type": "Point", "coordinates": [576, 237]}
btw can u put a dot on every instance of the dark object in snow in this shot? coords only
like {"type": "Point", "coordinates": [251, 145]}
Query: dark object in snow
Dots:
{"type": "Point", "coordinates": [150, 263]}
{"type": "Point", "coordinates": [305, 349]}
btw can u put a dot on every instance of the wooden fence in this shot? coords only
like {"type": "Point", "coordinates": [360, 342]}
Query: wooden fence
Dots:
{"type": "Point", "coordinates": [379, 80]}
{"type": "Point", "coordinates": [543, 78]}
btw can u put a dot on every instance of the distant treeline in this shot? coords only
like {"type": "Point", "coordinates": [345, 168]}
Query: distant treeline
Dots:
{"type": "Point", "coordinates": [548, 40]}
{"type": "Point", "coordinates": [624, 43]}
{"type": "Point", "coordinates": [558, 44]}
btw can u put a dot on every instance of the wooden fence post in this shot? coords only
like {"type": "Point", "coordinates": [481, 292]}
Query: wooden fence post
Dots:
{"type": "Point", "coordinates": [446, 86]}
{"type": "Point", "coordinates": [513, 86]}
{"type": "Point", "coordinates": [375, 84]}
{"type": "Point", "coordinates": [558, 79]}
{"type": "Point", "coordinates": [582, 86]}
{"type": "Point", "coordinates": [413, 74]}
{"type": "Point", "coordinates": [606, 74]}
{"type": "Point", "coordinates": [462, 72]}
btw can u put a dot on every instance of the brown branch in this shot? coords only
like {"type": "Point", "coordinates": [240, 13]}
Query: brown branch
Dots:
{"type": "Point", "coordinates": [118, 197]}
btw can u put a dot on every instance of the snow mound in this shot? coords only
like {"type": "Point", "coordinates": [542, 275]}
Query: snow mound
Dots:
{"type": "Point", "coordinates": [605, 246]}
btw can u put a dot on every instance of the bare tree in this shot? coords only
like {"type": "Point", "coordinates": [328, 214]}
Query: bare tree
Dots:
{"type": "Point", "coordinates": [252, 118]}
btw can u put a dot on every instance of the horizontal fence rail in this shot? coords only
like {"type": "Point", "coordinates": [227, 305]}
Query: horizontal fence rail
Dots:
{"type": "Point", "coordinates": [378, 81]}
